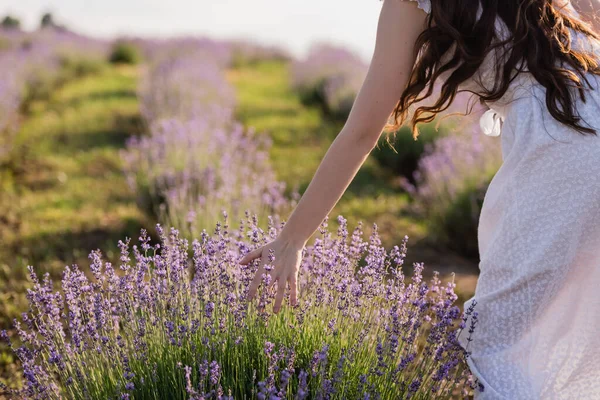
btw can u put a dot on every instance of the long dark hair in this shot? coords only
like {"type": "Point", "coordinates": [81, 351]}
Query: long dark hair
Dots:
{"type": "Point", "coordinates": [539, 42]}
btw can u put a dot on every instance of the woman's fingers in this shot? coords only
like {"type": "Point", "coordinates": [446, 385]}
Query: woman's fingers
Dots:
{"type": "Point", "coordinates": [254, 254]}
{"type": "Point", "coordinates": [293, 291]}
{"type": "Point", "coordinates": [281, 284]}
{"type": "Point", "coordinates": [256, 281]}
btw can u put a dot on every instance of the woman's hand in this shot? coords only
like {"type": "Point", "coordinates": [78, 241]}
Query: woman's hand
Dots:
{"type": "Point", "coordinates": [286, 264]}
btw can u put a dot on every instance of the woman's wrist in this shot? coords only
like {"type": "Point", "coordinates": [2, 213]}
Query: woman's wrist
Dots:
{"type": "Point", "coordinates": [294, 240]}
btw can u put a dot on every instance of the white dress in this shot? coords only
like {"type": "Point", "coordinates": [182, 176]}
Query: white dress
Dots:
{"type": "Point", "coordinates": [538, 293]}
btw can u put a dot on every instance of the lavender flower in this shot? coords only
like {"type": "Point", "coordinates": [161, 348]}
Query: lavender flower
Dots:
{"type": "Point", "coordinates": [187, 330]}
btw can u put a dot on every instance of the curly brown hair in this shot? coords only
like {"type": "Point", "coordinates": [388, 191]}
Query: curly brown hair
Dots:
{"type": "Point", "coordinates": [538, 41]}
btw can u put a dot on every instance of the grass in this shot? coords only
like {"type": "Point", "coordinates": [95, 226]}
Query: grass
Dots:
{"type": "Point", "coordinates": [65, 190]}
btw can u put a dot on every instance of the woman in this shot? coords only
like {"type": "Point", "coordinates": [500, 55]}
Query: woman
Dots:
{"type": "Point", "coordinates": [535, 64]}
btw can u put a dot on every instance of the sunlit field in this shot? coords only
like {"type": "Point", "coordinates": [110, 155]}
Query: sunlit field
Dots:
{"type": "Point", "coordinates": [134, 174]}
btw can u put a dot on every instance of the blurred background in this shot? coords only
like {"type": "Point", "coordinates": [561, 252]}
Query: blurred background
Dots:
{"type": "Point", "coordinates": [292, 24]}
{"type": "Point", "coordinates": [118, 115]}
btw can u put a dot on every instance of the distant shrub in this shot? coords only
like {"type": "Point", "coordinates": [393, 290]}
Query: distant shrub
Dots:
{"type": "Point", "coordinates": [10, 22]}
{"type": "Point", "coordinates": [330, 77]}
{"type": "Point", "coordinates": [403, 159]}
{"type": "Point", "coordinates": [47, 21]}
{"type": "Point", "coordinates": [124, 53]}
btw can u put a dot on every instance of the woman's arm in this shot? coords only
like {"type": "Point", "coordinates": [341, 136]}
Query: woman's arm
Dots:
{"type": "Point", "coordinates": [590, 11]}
{"type": "Point", "coordinates": [400, 23]}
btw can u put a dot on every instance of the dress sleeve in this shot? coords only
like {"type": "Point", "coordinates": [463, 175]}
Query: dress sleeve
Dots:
{"type": "Point", "coordinates": [424, 5]}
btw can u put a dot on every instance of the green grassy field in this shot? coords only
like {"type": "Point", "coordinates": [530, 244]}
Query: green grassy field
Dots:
{"type": "Point", "coordinates": [64, 193]}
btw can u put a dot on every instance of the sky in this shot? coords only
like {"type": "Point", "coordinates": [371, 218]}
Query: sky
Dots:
{"type": "Point", "coordinates": [293, 24]}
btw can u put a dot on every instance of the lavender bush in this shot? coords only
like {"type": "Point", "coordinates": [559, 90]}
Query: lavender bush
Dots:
{"type": "Point", "coordinates": [124, 52]}
{"type": "Point", "coordinates": [163, 324]}
{"type": "Point", "coordinates": [331, 76]}
{"type": "Point", "coordinates": [192, 170]}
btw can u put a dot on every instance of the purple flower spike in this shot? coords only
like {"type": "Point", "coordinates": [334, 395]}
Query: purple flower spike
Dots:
{"type": "Point", "coordinates": [174, 317]}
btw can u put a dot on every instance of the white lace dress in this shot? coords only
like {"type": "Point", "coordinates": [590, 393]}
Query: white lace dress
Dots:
{"type": "Point", "coordinates": [538, 293]}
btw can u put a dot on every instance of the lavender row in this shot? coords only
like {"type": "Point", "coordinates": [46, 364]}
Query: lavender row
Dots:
{"type": "Point", "coordinates": [10, 99]}
{"type": "Point", "coordinates": [29, 61]}
{"type": "Point", "coordinates": [164, 324]}
{"type": "Point", "coordinates": [197, 161]}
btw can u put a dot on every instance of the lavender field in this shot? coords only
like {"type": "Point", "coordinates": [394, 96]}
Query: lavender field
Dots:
{"type": "Point", "coordinates": [134, 175]}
